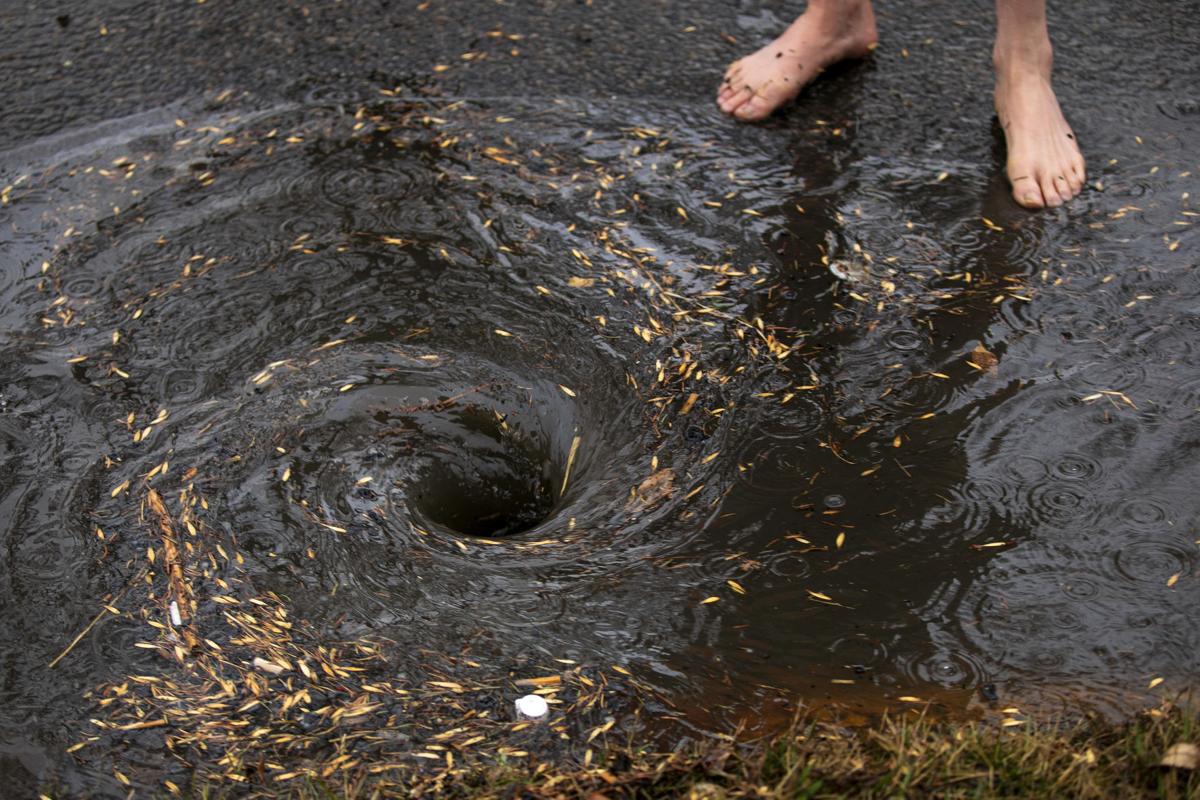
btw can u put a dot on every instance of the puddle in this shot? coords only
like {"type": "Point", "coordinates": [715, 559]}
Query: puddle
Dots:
{"type": "Point", "coordinates": [761, 416]}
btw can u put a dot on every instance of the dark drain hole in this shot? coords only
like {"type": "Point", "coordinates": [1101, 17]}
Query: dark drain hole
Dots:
{"type": "Point", "coordinates": [494, 496]}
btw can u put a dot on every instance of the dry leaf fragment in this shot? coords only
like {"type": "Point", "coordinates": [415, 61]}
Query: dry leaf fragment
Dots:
{"type": "Point", "coordinates": [545, 680]}
{"type": "Point", "coordinates": [984, 359]}
{"type": "Point", "coordinates": [687, 405]}
{"type": "Point", "coordinates": [1181, 756]}
{"type": "Point", "coordinates": [658, 486]}
{"type": "Point", "coordinates": [706, 791]}
{"type": "Point", "coordinates": [570, 461]}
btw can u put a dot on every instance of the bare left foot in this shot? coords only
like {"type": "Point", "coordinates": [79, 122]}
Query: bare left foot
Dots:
{"type": "Point", "coordinates": [829, 31]}
{"type": "Point", "coordinates": [1045, 166]}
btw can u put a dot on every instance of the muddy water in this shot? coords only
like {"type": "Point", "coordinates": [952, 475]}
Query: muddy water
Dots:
{"type": "Point", "coordinates": [791, 414]}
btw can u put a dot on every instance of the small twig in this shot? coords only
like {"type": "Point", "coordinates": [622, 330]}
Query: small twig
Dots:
{"type": "Point", "coordinates": [440, 405]}
{"type": "Point", "coordinates": [171, 559]}
{"type": "Point", "coordinates": [96, 619]}
{"type": "Point", "coordinates": [78, 638]}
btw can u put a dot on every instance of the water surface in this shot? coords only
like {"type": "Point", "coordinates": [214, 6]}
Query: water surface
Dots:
{"type": "Point", "coordinates": [509, 383]}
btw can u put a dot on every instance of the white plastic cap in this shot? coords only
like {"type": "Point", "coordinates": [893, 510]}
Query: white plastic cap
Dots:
{"type": "Point", "coordinates": [532, 706]}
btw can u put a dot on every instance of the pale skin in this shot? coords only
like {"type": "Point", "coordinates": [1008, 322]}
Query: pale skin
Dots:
{"type": "Point", "coordinates": [1045, 167]}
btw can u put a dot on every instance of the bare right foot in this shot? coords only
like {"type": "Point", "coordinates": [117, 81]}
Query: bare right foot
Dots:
{"type": "Point", "coordinates": [827, 32]}
{"type": "Point", "coordinates": [1045, 166]}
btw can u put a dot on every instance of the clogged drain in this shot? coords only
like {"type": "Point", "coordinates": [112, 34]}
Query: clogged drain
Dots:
{"type": "Point", "coordinates": [493, 482]}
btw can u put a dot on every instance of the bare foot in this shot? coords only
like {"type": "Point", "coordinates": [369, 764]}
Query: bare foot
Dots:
{"type": "Point", "coordinates": [824, 34]}
{"type": "Point", "coordinates": [1045, 166]}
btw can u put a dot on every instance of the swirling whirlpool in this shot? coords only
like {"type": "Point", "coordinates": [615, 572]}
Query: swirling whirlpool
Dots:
{"type": "Point", "coordinates": [413, 373]}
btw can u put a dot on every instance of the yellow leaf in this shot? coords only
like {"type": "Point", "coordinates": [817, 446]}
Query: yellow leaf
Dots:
{"type": "Point", "coordinates": [1182, 756]}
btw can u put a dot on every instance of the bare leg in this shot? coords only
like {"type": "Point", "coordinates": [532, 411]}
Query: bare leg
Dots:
{"type": "Point", "coordinates": [1045, 166]}
{"type": "Point", "coordinates": [827, 32]}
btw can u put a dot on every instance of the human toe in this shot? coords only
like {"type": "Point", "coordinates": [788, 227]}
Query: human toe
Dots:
{"type": "Point", "coordinates": [1074, 181]}
{"type": "Point", "coordinates": [735, 100]}
{"type": "Point", "coordinates": [1050, 191]}
{"type": "Point", "coordinates": [1078, 170]}
{"type": "Point", "coordinates": [756, 108]}
{"type": "Point", "coordinates": [731, 82]}
{"type": "Point", "coordinates": [1066, 189]}
{"type": "Point", "coordinates": [1026, 192]}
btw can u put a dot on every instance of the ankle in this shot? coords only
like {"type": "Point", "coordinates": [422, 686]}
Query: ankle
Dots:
{"type": "Point", "coordinates": [1023, 58]}
{"type": "Point", "coordinates": [842, 19]}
